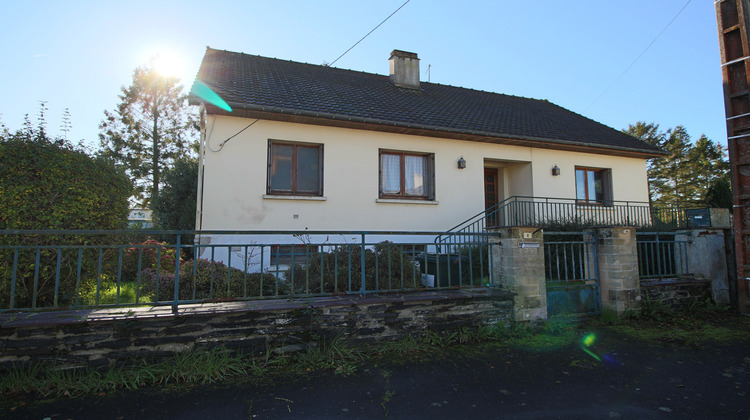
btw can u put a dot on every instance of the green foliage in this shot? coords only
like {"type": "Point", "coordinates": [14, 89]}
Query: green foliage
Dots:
{"type": "Point", "coordinates": [110, 294]}
{"type": "Point", "coordinates": [329, 354]}
{"type": "Point", "coordinates": [174, 206]}
{"type": "Point", "coordinates": [386, 268]}
{"type": "Point", "coordinates": [148, 254]}
{"type": "Point", "coordinates": [194, 367]}
{"type": "Point", "coordinates": [608, 316]}
{"type": "Point", "coordinates": [47, 183]}
{"type": "Point", "coordinates": [151, 128]}
{"type": "Point", "coordinates": [207, 280]}
{"type": "Point", "coordinates": [475, 265]}
{"type": "Point", "coordinates": [719, 194]}
{"type": "Point", "coordinates": [688, 171]}
{"type": "Point", "coordinates": [402, 346]}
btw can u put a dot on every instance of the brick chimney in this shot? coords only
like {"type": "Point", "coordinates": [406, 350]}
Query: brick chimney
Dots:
{"type": "Point", "coordinates": [404, 69]}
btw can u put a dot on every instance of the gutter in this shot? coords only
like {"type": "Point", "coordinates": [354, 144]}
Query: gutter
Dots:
{"type": "Point", "coordinates": [390, 123]}
{"type": "Point", "coordinates": [376, 121]}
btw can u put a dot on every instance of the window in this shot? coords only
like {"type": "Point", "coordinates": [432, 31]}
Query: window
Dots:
{"type": "Point", "coordinates": [295, 168]}
{"type": "Point", "coordinates": [593, 186]}
{"type": "Point", "coordinates": [406, 175]}
{"type": "Point", "coordinates": [288, 254]}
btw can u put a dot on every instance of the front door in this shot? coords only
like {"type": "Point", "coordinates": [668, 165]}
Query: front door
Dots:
{"type": "Point", "coordinates": [490, 195]}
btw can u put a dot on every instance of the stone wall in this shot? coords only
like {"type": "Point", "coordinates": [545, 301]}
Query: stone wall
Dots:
{"type": "Point", "coordinates": [675, 292]}
{"type": "Point", "coordinates": [103, 337]}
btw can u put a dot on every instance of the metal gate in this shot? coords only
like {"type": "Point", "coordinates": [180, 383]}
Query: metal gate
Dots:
{"type": "Point", "coordinates": [572, 273]}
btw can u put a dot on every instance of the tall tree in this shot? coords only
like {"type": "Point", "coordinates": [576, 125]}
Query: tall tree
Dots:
{"type": "Point", "coordinates": [174, 207]}
{"type": "Point", "coordinates": [688, 171]}
{"type": "Point", "coordinates": [150, 128]}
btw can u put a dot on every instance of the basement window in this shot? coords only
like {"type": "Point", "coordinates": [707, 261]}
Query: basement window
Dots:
{"type": "Point", "coordinates": [292, 254]}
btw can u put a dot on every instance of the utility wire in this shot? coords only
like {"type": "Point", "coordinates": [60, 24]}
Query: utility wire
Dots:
{"type": "Point", "coordinates": [368, 34]}
{"type": "Point", "coordinates": [637, 58]}
{"type": "Point", "coordinates": [221, 145]}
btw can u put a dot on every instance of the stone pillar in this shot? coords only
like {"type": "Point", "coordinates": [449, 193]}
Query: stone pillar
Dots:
{"type": "Point", "coordinates": [706, 259]}
{"type": "Point", "coordinates": [617, 256]}
{"type": "Point", "coordinates": [518, 266]}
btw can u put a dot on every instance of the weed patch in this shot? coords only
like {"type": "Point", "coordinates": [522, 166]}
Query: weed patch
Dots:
{"type": "Point", "coordinates": [701, 321]}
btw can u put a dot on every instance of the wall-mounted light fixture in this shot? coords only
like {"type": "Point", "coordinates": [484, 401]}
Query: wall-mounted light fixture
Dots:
{"type": "Point", "coordinates": [461, 163]}
{"type": "Point", "coordinates": [555, 171]}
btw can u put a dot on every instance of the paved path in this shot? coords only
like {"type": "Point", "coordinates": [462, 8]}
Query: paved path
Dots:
{"type": "Point", "coordinates": [636, 380]}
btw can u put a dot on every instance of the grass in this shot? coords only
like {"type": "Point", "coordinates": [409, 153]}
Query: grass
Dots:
{"type": "Point", "coordinates": [699, 322]}
{"type": "Point", "coordinates": [108, 293]}
{"type": "Point", "coordinates": [189, 367]}
{"type": "Point", "coordinates": [693, 326]}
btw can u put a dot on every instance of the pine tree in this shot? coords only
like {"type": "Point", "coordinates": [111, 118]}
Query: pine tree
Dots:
{"type": "Point", "coordinates": [689, 170]}
{"type": "Point", "coordinates": [150, 128]}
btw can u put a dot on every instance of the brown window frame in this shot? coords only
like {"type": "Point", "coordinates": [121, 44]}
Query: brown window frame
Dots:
{"type": "Point", "coordinates": [605, 182]}
{"type": "Point", "coordinates": [294, 191]}
{"type": "Point", "coordinates": [429, 180]}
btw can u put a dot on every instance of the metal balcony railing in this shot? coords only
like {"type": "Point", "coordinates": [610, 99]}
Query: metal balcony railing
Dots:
{"type": "Point", "coordinates": [557, 212]}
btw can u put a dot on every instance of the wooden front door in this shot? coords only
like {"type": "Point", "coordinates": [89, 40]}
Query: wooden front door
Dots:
{"type": "Point", "coordinates": [490, 195]}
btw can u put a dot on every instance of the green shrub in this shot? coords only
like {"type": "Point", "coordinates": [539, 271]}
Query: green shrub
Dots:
{"type": "Point", "coordinates": [108, 292]}
{"type": "Point", "coordinates": [475, 265]}
{"type": "Point", "coordinates": [148, 254]}
{"type": "Point", "coordinates": [207, 280]}
{"type": "Point", "coordinates": [47, 183]}
{"type": "Point", "coordinates": [386, 268]}
{"type": "Point", "coordinates": [174, 206]}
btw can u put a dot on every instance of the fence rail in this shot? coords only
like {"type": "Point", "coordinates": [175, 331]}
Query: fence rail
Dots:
{"type": "Point", "coordinates": [661, 255]}
{"type": "Point", "coordinates": [55, 269]}
{"type": "Point", "coordinates": [569, 257]}
{"type": "Point", "coordinates": [541, 211]}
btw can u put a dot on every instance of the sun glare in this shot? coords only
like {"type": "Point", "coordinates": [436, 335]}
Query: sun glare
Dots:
{"type": "Point", "coordinates": [168, 64]}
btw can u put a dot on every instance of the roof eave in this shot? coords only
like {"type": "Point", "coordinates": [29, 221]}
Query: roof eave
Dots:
{"type": "Point", "coordinates": [329, 119]}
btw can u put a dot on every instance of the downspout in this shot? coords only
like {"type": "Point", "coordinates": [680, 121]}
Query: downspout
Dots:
{"type": "Point", "coordinates": [201, 159]}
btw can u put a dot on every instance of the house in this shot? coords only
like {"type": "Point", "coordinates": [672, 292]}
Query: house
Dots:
{"type": "Point", "coordinates": [311, 147]}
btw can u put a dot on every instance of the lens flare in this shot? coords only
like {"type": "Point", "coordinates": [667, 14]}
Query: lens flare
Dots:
{"type": "Point", "coordinates": [204, 92]}
{"type": "Point", "coordinates": [587, 341]}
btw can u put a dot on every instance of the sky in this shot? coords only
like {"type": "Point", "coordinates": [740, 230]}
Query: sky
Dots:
{"type": "Point", "coordinates": [578, 54]}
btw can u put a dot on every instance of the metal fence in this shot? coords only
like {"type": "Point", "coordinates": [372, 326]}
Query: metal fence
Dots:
{"type": "Point", "coordinates": [56, 269]}
{"type": "Point", "coordinates": [571, 271]}
{"type": "Point", "coordinates": [569, 257]}
{"type": "Point", "coordinates": [661, 255]}
{"type": "Point", "coordinates": [547, 211]}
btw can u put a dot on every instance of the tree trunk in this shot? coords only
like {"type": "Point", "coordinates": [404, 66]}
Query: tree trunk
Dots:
{"type": "Point", "coordinates": [155, 155]}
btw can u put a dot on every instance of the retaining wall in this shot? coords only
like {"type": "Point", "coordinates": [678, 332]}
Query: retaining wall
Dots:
{"type": "Point", "coordinates": [675, 292]}
{"type": "Point", "coordinates": [103, 337]}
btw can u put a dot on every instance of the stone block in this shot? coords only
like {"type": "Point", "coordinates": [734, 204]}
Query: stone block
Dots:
{"type": "Point", "coordinates": [85, 339]}
{"type": "Point", "coordinates": [530, 302]}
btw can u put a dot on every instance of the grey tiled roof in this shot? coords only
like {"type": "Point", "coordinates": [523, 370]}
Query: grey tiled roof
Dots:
{"type": "Point", "coordinates": [260, 83]}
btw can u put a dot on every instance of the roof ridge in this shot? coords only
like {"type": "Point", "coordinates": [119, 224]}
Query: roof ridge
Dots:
{"type": "Point", "coordinates": [377, 74]}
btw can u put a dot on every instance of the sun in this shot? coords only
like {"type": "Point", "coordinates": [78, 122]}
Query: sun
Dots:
{"type": "Point", "coordinates": [168, 64]}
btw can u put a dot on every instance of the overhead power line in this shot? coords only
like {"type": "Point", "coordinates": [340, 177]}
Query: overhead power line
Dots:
{"type": "Point", "coordinates": [637, 58]}
{"type": "Point", "coordinates": [368, 34]}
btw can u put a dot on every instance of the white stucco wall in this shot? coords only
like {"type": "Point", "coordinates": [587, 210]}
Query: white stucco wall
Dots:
{"type": "Point", "coordinates": [235, 178]}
